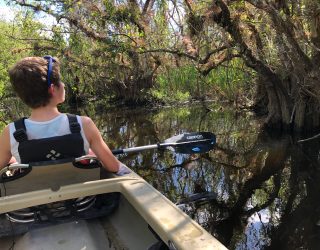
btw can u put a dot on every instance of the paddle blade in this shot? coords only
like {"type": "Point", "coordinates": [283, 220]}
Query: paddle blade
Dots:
{"type": "Point", "coordinates": [191, 143]}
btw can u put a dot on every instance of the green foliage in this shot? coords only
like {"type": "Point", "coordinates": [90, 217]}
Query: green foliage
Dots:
{"type": "Point", "coordinates": [15, 43]}
{"type": "Point", "coordinates": [175, 84]}
{"type": "Point", "coordinates": [105, 52]}
{"type": "Point", "coordinates": [185, 83]}
{"type": "Point", "coordinates": [232, 79]}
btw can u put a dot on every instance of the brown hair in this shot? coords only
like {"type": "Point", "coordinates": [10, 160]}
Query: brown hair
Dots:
{"type": "Point", "coordinates": [29, 80]}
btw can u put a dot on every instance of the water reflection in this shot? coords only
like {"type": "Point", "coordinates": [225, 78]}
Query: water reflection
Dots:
{"type": "Point", "coordinates": [254, 191]}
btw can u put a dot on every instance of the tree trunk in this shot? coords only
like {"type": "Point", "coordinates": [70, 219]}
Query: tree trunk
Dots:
{"type": "Point", "coordinates": [133, 91]}
{"type": "Point", "coordinates": [300, 114]}
{"type": "Point", "coordinates": [132, 84]}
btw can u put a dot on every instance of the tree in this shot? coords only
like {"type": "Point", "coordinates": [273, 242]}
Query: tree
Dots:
{"type": "Point", "coordinates": [120, 29]}
{"type": "Point", "coordinates": [19, 38]}
{"type": "Point", "coordinates": [280, 41]}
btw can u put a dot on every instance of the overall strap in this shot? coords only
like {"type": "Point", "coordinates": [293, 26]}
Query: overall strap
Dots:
{"type": "Point", "coordinates": [20, 134]}
{"type": "Point", "coordinates": [73, 124]}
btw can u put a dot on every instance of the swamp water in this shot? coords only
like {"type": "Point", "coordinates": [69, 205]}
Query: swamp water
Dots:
{"type": "Point", "coordinates": [253, 191]}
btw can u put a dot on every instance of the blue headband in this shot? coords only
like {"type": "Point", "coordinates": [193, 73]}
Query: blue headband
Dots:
{"type": "Point", "coordinates": [49, 72]}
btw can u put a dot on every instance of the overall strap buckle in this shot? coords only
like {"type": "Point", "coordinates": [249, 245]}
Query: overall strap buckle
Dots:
{"type": "Point", "coordinates": [75, 127]}
{"type": "Point", "coordinates": [20, 134]}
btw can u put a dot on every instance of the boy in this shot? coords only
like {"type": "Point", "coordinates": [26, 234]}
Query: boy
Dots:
{"type": "Point", "coordinates": [48, 134]}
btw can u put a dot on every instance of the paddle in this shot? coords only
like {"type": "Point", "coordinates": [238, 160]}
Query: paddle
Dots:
{"type": "Point", "coordinates": [188, 143]}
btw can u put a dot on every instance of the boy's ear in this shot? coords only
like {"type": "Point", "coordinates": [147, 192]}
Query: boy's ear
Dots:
{"type": "Point", "coordinates": [51, 89]}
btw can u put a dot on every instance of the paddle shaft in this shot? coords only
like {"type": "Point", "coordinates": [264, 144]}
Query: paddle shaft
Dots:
{"type": "Point", "coordinates": [135, 149]}
{"type": "Point", "coordinates": [155, 146]}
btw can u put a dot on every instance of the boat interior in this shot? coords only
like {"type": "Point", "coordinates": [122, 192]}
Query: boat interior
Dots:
{"type": "Point", "coordinates": [71, 205]}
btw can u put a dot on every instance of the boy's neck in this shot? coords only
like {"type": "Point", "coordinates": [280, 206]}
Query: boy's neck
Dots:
{"type": "Point", "coordinates": [44, 113]}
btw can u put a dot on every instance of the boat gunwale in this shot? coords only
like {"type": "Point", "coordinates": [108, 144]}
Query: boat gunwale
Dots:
{"type": "Point", "coordinates": [186, 234]}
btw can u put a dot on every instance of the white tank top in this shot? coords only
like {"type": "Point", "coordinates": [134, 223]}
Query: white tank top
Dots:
{"type": "Point", "coordinates": [58, 126]}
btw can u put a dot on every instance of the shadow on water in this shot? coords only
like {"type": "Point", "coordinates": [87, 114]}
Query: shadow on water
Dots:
{"type": "Point", "coordinates": [254, 191]}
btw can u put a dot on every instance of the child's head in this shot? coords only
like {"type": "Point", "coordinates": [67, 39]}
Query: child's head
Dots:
{"type": "Point", "coordinates": [29, 80]}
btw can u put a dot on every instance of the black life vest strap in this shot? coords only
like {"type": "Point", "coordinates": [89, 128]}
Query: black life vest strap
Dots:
{"type": "Point", "coordinates": [20, 134]}
{"type": "Point", "coordinates": [73, 124]}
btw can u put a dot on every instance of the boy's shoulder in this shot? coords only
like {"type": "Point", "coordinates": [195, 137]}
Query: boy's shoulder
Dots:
{"type": "Point", "coordinates": [85, 120]}
{"type": "Point", "coordinates": [6, 131]}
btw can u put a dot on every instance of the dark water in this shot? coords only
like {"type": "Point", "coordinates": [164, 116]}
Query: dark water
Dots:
{"type": "Point", "coordinates": [253, 191]}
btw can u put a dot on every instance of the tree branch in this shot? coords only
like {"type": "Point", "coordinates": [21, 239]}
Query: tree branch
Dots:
{"type": "Point", "coordinates": [213, 65]}
{"type": "Point", "coordinates": [223, 18]}
{"type": "Point", "coordinates": [175, 52]}
{"type": "Point", "coordinates": [284, 26]}
{"type": "Point", "coordinates": [147, 6]}
{"type": "Point", "coordinates": [209, 54]}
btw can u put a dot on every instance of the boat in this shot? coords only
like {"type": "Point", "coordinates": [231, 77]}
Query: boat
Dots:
{"type": "Point", "coordinates": [52, 205]}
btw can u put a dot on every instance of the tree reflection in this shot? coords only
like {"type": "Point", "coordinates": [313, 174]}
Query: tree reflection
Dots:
{"type": "Point", "coordinates": [254, 191]}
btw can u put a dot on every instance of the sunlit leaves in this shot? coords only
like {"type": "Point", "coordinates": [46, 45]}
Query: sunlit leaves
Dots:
{"type": "Point", "coordinates": [17, 39]}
